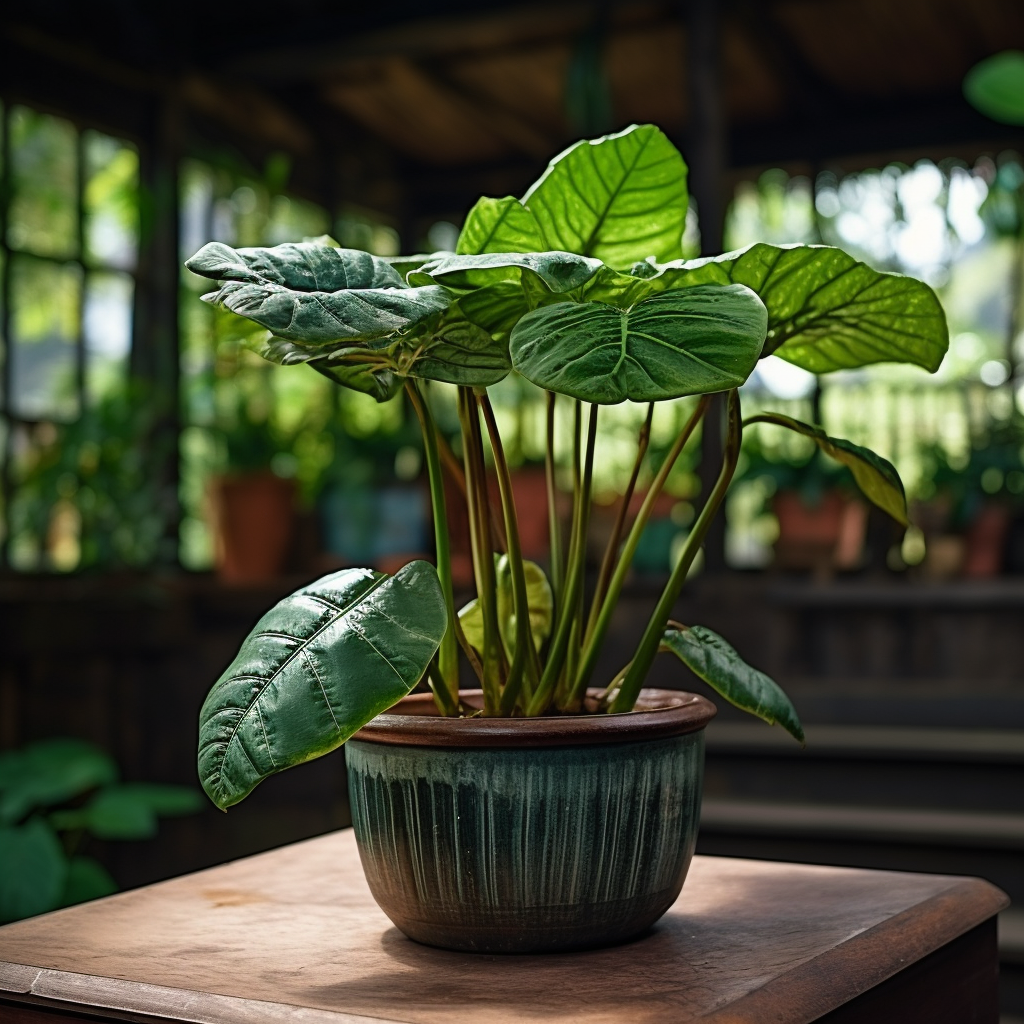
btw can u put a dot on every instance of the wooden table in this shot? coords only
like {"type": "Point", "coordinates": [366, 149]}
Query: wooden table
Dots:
{"type": "Point", "coordinates": [294, 936]}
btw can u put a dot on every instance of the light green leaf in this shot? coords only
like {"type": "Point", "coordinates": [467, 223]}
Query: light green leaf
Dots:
{"type": "Point", "coordinates": [50, 772]}
{"type": "Point", "coordinates": [620, 198]}
{"type": "Point", "coordinates": [538, 598]}
{"type": "Point", "coordinates": [827, 311]}
{"type": "Point", "coordinates": [87, 880]}
{"type": "Point", "coordinates": [995, 86]}
{"type": "Point", "coordinates": [876, 477]}
{"type": "Point", "coordinates": [317, 667]}
{"type": "Point", "coordinates": [710, 658]}
{"type": "Point", "coordinates": [499, 225]}
{"type": "Point", "coordinates": [694, 341]}
{"type": "Point", "coordinates": [33, 870]}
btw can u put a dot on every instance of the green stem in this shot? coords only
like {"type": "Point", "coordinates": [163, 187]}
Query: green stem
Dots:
{"type": "Point", "coordinates": [448, 652]}
{"type": "Point", "coordinates": [651, 640]}
{"type": "Point", "coordinates": [492, 655]}
{"type": "Point", "coordinates": [574, 571]}
{"type": "Point", "coordinates": [554, 524]}
{"type": "Point", "coordinates": [524, 650]}
{"type": "Point", "coordinates": [594, 639]}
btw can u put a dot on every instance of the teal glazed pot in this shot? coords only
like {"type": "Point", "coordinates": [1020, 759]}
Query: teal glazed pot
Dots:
{"type": "Point", "coordinates": [524, 835]}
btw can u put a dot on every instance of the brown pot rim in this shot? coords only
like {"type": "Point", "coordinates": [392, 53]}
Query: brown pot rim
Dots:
{"type": "Point", "coordinates": [414, 721]}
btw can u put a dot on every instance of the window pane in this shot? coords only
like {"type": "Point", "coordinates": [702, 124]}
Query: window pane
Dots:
{"type": "Point", "coordinates": [111, 201]}
{"type": "Point", "coordinates": [45, 301]}
{"type": "Point", "coordinates": [43, 216]}
{"type": "Point", "coordinates": [107, 329]}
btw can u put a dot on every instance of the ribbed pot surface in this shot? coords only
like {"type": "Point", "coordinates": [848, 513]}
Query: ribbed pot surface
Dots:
{"type": "Point", "coordinates": [522, 848]}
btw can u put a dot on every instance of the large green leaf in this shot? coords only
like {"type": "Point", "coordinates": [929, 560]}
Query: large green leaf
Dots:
{"type": "Point", "coordinates": [827, 311]}
{"type": "Point", "coordinates": [710, 658]}
{"type": "Point", "coordinates": [694, 341]}
{"type": "Point", "coordinates": [33, 870]}
{"type": "Point", "coordinates": [50, 772]}
{"type": "Point", "coordinates": [620, 198]}
{"type": "Point", "coordinates": [456, 350]}
{"type": "Point", "coordinates": [539, 600]}
{"type": "Point", "coordinates": [499, 225]}
{"type": "Point", "coordinates": [875, 476]}
{"type": "Point", "coordinates": [318, 666]}
{"type": "Point", "coordinates": [559, 272]}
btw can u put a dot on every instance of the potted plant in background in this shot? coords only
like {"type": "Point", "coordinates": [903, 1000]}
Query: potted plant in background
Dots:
{"type": "Point", "coordinates": [555, 805]}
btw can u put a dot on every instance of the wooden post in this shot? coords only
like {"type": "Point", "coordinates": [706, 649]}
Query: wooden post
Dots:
{"type": "Point", "coordinates": [155, 343]}
{"type": "Point", "coordinates": [707, 156]}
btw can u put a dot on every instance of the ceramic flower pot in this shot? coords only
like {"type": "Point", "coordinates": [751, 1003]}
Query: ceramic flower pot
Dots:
{"type": "Point", "coordinates": [498, 835]}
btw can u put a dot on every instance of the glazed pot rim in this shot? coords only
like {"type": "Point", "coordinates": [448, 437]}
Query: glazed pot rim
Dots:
{"type": "Point", "coordinates": [660, 714]}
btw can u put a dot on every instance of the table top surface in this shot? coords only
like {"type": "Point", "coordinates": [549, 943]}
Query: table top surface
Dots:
{"type": "Point", "coordinates": [294, 935]}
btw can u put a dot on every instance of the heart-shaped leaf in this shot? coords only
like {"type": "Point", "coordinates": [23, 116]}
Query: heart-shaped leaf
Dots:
{"type": "Point", "coordinates": [710, 658]}
{"type": "Point", "coordinates": [538, 599]}
{"type": "Point", "coordinates": [827, 311]}
{"type": "Point", "coordinates": [317, 667]}
{"type": "Point", "coordinates": [687, 342]}
{"type": "Point", "coordinates": [33, 870]}
{"type": "Point", "coordinates": [876, 477]}
{"type": "Point", "coordinates": [499, 225]}
{"type": "Point", "coordinates": [620, 198]}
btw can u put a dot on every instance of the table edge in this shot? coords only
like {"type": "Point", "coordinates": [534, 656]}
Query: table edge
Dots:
{"type": "Point", "coordinates": [851, 968]}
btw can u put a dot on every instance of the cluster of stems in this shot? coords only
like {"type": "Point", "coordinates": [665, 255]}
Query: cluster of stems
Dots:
{"type": "Point", "coordinates": [515, 676]}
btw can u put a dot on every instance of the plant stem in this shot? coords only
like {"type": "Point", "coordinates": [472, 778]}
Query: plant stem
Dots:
{"type": "Point", "coordinates": [595, 637]}
{"type": "Point", "coordinates": [451, 463]}
{"type": "Point", "coordinates": [554, 524]}
{"type": "Point", "coordinates": [608, 561]}
{"type": "Point", "coordinates": [651, 640]}
{"type": "Point", "coordinates": [448, 652]}
{"type": "Point", "coordinates": [574, 571]}
{"type": "Point", "coordinates": [524, 652]}
{"type": "Point", "coordinates": [492, 656]}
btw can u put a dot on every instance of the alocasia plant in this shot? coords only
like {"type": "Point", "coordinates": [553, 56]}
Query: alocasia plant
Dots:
{"type": "Point", "coordinates": [580, 286]}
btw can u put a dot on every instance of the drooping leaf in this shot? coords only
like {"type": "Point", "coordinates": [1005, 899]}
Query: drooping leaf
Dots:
{"type": "Point", "coordinates": [827, 311]}
{"type": "Point", "coordinates": [538, 598]}
{"type": "Point", "coordinates": [876, 477]}
{"type": "Point", "coordinates": [33, 869]}
{"type": "Point", "coordinates": [559, 272]}
{"type": "Point", "coordinates": [50, 772]}
{"type": "Point", "coordinates": [620, 198]}
{"type": "Point", "coordinates": [694, 341]}
{"type": "Point", "coordinates": [318, 666]}
{"type": "Point", "coordinates": [87, 880]}
{"type": "Point", "coordinates": [456, 350]}
{"type": "Point", "coordinates": [499, 225]}
{"type": "Point", "coordinates": [365, 372]}
{"type": "Point", "coordinates": [712, 659]}
{"type": "Point", "coordinates": [995, 86]}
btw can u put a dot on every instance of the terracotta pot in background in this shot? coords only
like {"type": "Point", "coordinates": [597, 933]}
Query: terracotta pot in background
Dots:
{"type": "Point", "coordinates": [822, 537]}
{"type": "Point", "coordinates": [985, 542]}
{"type": "Point", "coordinates": [253, 518]}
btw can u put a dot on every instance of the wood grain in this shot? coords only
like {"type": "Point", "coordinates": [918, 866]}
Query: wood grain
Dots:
{"type": "Point", "coordinates": [294, 936]}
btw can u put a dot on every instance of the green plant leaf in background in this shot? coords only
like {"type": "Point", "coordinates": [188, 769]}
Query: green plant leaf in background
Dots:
{"type": "Point", "coordinates": [538, 599]}
{"type": "Point", "coordinates": [87, 879]}
{"type": "Point", "coordinates": [694, 341]}
{"type": "Point", "coordinates": [995, 86]}
{"type": "Point", "coordinates": [50, 772]}
{"type": "Point", "coordinates": [318, 666]}
{"type": "Point", "coordinates": [33, 870]}
{"type": "Point", "coordinates": [128, 811]}
{"type": "Point", "coordinates": [620, 198]}
{"type": "Point", "coordinates": [499, 225]}
{"type": "Point", "coordinates": [876, 477]}
{"type": "Point", "coordinates": [826, 310]}
{"type": "Point", "coordinates": [710, 658]}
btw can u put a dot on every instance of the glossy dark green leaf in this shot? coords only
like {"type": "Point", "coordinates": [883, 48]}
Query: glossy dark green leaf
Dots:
{"type": "Point", "coordinates": [87, 880]}
{"type": "Point", "coordinates": [876, 477]}
{"type": "Point", "coordinates": [455, 350]}
{"type": "Point", "coordinates": [318, 666]}
{"type": "Point", "coordinates": [995, 86]}
{"type": "Point", "coordinates": [620, 198]}
{"type": "Point", "coordinates": [500, 225]}
{"type": "Point", "coordinates": [50, 772]}
{"type": "Point", "coordinates": [538, 599]}
{"type": "Point", "coordinates": [710, 658]}
{"type": "Point", "coordinates": [827, 311]}
{"type": "Point", "coordinates": [371, 377]}
{"type": "Point", "coordinates": [33, 870]}
{"type": "Point", "coordinates": [694, 341]}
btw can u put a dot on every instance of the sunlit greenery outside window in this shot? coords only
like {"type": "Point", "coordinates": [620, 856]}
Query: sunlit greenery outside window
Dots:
{"type": "Point", "coordinates": [68, 256]}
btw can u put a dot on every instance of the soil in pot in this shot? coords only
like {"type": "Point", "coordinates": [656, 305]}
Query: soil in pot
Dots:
{"type": "Point", "coordinates": [528, 835]}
